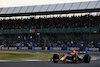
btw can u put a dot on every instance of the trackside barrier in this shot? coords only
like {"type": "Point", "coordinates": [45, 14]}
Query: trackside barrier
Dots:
{"type": "Point", "coordinates": [51, 48]}
{"type": "Point", "coordinates": [64, 48]}
{"type": "Point", "coordinates": [46, 48]}
{"type": "Point", "coordinates": [37, 48]}
{"type": "Point", "coordinates": [24, 48]}
{"type": "Point", "coordinates": [82, 48]}
{"type": "Point", "coordinates": [4, 48]}
{"type": "Point", "coordinates": [99, 48]}
{"type": "Point", "coordinates": [32, 48]}
{"type": "Point", "coordinates": [68, 48]}
{"type": "Point", "coordinates": [93, 49]}
{"type": "Point", "coordinates": [75, 48]}
{"type": "Point", "coordinates": [20, 48]}
{"type": "Point", "coordinates": [86, 48]}
{"type": "Point", "coordinates": [56, 48]}
{"type": "Point", "coordinates": [12, 48]}
{"type": "Point", "coordinates": [43, 48]}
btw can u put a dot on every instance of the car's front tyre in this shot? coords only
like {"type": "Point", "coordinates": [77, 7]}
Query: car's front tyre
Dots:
{"type": "Point", "coordinates": [55, 58]}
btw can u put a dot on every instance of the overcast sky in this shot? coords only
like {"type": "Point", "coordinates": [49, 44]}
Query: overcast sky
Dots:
{"type": "Point", "coordinates": [13, 3]}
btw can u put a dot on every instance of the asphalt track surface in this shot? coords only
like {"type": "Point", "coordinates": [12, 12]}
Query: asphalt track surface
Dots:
{"type": "Point", "coordinates": [93, 63]}
{"type": "Point", "coordinates": [48, 64]}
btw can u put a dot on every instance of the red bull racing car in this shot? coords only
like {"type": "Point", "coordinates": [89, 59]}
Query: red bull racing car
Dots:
{"type": "Point", "coordinates": [72, 58]}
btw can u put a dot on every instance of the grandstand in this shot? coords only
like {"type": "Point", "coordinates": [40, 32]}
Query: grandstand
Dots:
{"type": "Point", "coordinates": [52, 24]}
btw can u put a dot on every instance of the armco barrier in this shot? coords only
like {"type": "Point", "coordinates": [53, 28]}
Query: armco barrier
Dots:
{"type": "Point", "coordinates": [12, 48]}
{"type": "Point", "coordinates": [4, 48]}
{"type": "Point", "coordinates": [20, 48]}
{"type": "Point", "coordinates": [32, 48]}
{"type": "Point", "coordinates": [99, 48]}
{"type": "Point", "coordinates": [93, 49]}
{"type": "Point", "coordinates": [86, 48]}
{"type": "Point", "coordinates": [51, 48]}
{"type": "Point", "coordinates": [56, 48]}
{"type": "Point", "coordinates": [37, 48]}
{"type": "Point", "coordinates": [46, 48]}
{"type": "Point", "coordinates": [24, 48]}
{"type": "Point", "coordinates": [68, 48]}
{"type": "Point", "coordinates": [64, 48]}
{"type": "Point", "coordinates": [75, 48]}
{"type": "Point", "coordinates": [82, 48]}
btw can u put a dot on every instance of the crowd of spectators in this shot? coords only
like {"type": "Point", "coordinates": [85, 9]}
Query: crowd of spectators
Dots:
{"type": "Point", "coordinates": [51, 23]}
{"type": "Point", "coordinates": [52, 44]}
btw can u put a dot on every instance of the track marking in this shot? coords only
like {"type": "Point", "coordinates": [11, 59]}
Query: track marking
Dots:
{"type": "Point", "coordinates": [20, 60]}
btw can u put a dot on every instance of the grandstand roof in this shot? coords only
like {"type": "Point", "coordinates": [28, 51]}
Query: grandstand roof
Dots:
{"type": "Point", "coordinates": [77, 7]}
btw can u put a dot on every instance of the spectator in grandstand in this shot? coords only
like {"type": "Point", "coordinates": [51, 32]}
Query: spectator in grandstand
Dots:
{"type": "Point", "coordinates": [50, 23]}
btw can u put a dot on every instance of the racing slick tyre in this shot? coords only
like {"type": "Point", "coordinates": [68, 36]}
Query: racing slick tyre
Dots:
{"type": "Point", "coordinates": [55, 58]}
{"type": "Point", "coordinates": [87, 58]}
{"type": "Point", "coordinates": [75, 59]}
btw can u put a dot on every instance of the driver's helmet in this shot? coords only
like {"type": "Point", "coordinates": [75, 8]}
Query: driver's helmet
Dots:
{"type": "Point", "coordinates": [73, 50]}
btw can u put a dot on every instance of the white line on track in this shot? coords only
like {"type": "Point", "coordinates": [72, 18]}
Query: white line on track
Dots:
{"type": "Point", "coordinates": [35, 60]}
{"type": "Point", "coordinates": [20, 60]}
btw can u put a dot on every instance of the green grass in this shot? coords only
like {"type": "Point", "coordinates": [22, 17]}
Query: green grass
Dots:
{"type": "Point", "coordinates": [14, 55]}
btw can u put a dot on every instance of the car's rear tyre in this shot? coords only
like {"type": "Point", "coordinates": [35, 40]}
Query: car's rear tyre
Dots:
{"type": "Point", "coordinates": [55, 58]}
{"type": "Point", "coordinates": [75, 59]}
{"type": "Point", "coordinates": [87, 58]}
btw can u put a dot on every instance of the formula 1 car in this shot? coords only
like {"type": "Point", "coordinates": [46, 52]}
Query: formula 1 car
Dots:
{"type": "Point", "coordinates": [72, 58]}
